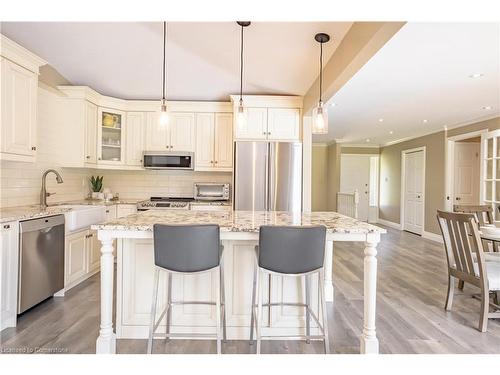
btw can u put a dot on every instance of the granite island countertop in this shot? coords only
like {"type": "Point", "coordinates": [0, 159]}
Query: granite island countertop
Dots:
{"type": "Point", "coordinates": [239, 221]}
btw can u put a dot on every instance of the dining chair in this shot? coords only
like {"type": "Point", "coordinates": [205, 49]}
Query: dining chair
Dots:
{"type": "Point", "coordinates": [483, 213]}
{"type": "Point", "coordinates": [466, 261]}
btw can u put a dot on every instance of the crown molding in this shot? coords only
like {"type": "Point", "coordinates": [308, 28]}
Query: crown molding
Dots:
{"type": "Point", "coordinates": [358, 145]}
{"type": "Point", "coordinates": [20, 55]}
{"type": "Point", "coordinates": [265, 101]}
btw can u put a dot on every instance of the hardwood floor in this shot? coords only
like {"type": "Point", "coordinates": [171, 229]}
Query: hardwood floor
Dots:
{"type": "Point", "coordinates": [410, 314]}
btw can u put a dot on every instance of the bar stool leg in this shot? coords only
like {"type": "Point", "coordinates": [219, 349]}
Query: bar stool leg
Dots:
{"type": "Point", "coordinates": [223, 302]}
{"type": "Point", "coordinates": [308, 304]}
{"type": "Point", "coordinates": [169, 306]}
{"type": "Point", "coordinates": [153, 311]}
{"type": "Point", "coordinates": [218, 311]}
{"type": "Point", "coordinates": [259, 310]}
{"type": "Point", "coordinates": [252, 319]}
{"type": "Point", "coordinates": [321, 277]}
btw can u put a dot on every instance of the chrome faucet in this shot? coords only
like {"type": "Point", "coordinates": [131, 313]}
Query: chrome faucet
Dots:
{"type": "Point", "coordinates": [43, 192]}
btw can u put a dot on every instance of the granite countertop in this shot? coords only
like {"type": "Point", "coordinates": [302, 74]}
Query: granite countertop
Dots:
{"type": "Point", "coordinates": [29, 212]}
{"type": "Point", "coordinates": [35, 211]}
{"type": "Point", "coordinates": [239, 221]}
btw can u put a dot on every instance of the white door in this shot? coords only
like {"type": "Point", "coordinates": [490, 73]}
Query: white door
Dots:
{"type": "Point", "coordinates": [255, 126]}
{"type": "Point", "coordinates": [355, 175]}
{"type": "Point", "coordinates": [182, 132]}
{"type": "Point", "coordinates": [466, 173]}
{"type": "Point", "coordinates": [223, 151]}
{"type": "Point", "coordinates": [156, 134]}
{"type": "Point", "coordinates": [135, 138]}
{"type": "Point", "coordinates": [76, 257]}
{"type": "Point", "coordinates": [413, 191]}
{"type": "Point", "coordinates": [204, 153]}
{"type": "Point", "coordinates": [283, 124]}
{"type": "Point", "coordinates": [90, 133]}
{"type": "Point", "coordinates": [19, 96]}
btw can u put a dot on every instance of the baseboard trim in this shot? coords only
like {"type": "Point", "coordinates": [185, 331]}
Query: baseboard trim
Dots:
{"type": "Point", "coordinates": [432, 236]}
{"type": "Point", "coordinates": [390, 224]}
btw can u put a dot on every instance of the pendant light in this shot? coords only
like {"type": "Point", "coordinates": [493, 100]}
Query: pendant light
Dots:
{"type": "Point", "coordinates": [163, 108]}
{"type": "Point", "coordinates": [241, 110]}
{"type": "Point", "coordinates": [320, 114]}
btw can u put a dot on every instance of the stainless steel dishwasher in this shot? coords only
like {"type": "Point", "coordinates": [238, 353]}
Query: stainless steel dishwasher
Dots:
{"type": "Point", "coordinates": [41, 260]}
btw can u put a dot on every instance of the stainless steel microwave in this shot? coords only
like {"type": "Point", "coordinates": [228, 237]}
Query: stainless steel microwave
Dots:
{"type": "Point", "coordinates": [168, 160]}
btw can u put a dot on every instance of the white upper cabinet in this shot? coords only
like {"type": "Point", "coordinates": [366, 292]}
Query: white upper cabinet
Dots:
{"type": "Point", "coordinates": [156, 134]}
{"type": "Point", "coordinates": [214, 142]}
{"type": "Point", "coordinates": [90, 133]}
{"type": "Point", "coordinates": [18, 94]}
{"type": "Point", "coordinates": [19, 98]}
{"type": "Point", "coordinates": [177, 135]}
{"type": "Point", "coordinates": [181, 131]}
{"type": "Point", "coordinates": [134, 146]}
{"type": "Point", "coordinates": [110, 139]}
{"type": "Point", "coordinates": [223, 144]}
{"type": "Point", "coordinates": [283, 124]}
{"type": "Point", "coordinates": [205, 129]}
{"type": "Point", "coordinates": [255, 125]}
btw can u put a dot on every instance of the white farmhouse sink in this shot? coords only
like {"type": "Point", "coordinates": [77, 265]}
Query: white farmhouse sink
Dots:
{"type": "Point", "coordinates": [82, 216]}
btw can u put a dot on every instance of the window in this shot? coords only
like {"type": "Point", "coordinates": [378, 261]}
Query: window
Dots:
{"type": "Point", "coordinates": [490, 184]}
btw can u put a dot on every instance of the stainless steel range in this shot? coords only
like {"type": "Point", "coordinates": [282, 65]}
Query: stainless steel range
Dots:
{"type": "Point", "coordinates": [165, 203]}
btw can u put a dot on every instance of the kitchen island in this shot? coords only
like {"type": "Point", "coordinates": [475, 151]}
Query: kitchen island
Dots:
{"type": "Point", "coordinates": [239, 235]}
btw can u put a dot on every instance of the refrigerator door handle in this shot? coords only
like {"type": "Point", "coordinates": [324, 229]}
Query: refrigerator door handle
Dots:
{"type": "Point", "coordinates": [271, 198]}
{"type": "Point", "coordinates": [266, 192]}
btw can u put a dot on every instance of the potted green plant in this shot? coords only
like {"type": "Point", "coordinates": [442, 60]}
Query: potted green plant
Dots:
{"type": "Point", "coordinates": [96, 186]}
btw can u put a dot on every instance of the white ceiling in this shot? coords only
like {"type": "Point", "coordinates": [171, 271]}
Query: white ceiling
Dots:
{"type": "Point", "coordinates": [125, 59]}
{"type": "Point", "coordinates": [422, 73]}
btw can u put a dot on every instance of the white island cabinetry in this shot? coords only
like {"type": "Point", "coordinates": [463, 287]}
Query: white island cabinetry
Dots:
{"type": "Point", "coordinates": [9, 253]}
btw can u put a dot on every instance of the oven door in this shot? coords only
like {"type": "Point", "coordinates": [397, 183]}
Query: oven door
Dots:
{"type": "Point", "coordinates": [168, 160]}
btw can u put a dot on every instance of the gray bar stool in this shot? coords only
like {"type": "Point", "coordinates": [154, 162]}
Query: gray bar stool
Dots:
{"type": "Point", "coordinates": [290, 251]}
{"type": "Point", "coordinates": [187, 249]}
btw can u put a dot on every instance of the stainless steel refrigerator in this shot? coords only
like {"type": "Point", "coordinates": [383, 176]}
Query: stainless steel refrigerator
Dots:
{"type": "Point", "coordinates": [268, 176]}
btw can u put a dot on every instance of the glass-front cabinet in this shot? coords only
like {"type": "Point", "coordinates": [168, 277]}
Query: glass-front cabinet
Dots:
{"type": "Point", "coordinates": [491, 171]}
{"type": "Point", "coordinates": [111, 139]}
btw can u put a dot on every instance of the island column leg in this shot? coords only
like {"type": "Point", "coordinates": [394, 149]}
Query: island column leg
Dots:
{"type": "Point", "coordinates": [369, 341]}
{"type": "Point", "coordinates": [329, 271]}
{"type": "Point", "coordinates": [106, 342]}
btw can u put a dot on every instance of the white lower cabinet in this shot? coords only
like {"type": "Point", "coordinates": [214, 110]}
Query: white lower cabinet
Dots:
{"type": "Point", "coordinates": [82, 257]}
{"type": "Point", "coordinates": [111, 212]}
{"type": "Point", "coordinates": [9, 252]}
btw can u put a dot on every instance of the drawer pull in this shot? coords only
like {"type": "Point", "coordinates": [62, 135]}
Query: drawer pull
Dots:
{"type": "Point", "coordinates": [6, 226]}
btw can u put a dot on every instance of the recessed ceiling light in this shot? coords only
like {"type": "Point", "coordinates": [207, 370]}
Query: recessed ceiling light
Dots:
{"type": "Point", "coordinates": [391, 132]}
{"type": "Point", "coordinates": [367, 139]}
{"type": "Point", "coordinates": [333, 104]}
{"type": "Point", "coordinates": [380, 120]}
{"type": "Point", "coordinates": [425, 121]}
{"type": "Point", "coordinates": [476, 75]}
{"type": "Point", "coordinates": [487, 107]}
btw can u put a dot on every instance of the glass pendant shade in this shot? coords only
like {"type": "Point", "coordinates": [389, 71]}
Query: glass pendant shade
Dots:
{"type": "Point", "coordinates": [320, 120]}
{"type": "Point", "coordinates": [241, 118]}
{"type": "Point", "coordinates": [163, 114]}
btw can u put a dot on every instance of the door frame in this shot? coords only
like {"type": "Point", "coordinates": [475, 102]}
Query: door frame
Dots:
{"type": "Point", "coordinates": [403, 187]}
{"type": "Point", "coordinates": [450, 165]}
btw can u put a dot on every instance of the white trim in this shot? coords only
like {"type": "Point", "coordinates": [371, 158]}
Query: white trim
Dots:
{"type": "Point", "coordinates": [357, 145]}
{"type": "Point", "coordinates": [449, 171]}
{"type": "Point", "coordinates": [390, 224]}
{"type": "Point", "coordinates": [403, 188]}
{"type": "Point", "coordinates": [445, 128]}
{"type": "Point", "coordinates": [432, 236]}
{"type": "Point", "coordinates": [20, 55]}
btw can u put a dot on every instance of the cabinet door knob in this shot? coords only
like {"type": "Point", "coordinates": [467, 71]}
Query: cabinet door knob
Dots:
{"type": "Point", "coordinates": [263, 133]}
{"type": "Point", "coordinates": [215, 162]}
{"type": "Point", "coordinates": [99, 159]}
{"type": "Point", "coordinates": [6, 226]}
{"type": "Point", "coordinates": [107, 211]}
{"type": "Point", "coordinates": [88, 157]}
{"type": "Point", "coordinates": [268, 133]}
{"type": "Point", "coordinates": [33, 148]}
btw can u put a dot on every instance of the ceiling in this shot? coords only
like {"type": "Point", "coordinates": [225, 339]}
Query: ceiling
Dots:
{"type": "Point", "coordinates": [418, 83]}
{"type": "Point", "coordinates": [125, 59]}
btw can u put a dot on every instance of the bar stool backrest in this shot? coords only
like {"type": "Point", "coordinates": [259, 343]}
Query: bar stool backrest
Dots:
{"type": "Point", "coordinates": [187, 248]}
{"type": "Point", "coordinates": [291, 250]}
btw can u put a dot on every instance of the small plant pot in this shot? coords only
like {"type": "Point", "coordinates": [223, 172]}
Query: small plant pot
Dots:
{"type": "Point", "coordinates": [96, 195]}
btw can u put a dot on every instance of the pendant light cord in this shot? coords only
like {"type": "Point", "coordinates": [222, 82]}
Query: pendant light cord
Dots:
{"type": "Point", "coordinates": [164, 53]}
{"type": "Point", "coordinates": [241, 66]}
{"type": "Point", "coordinates": [320, 70]}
